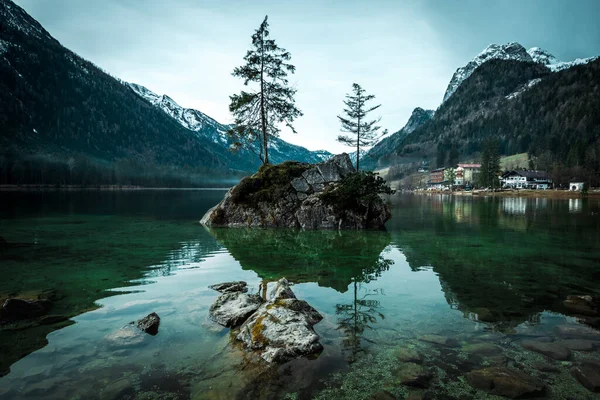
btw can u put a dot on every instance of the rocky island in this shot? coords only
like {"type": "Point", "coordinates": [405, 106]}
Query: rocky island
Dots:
{"type": "Point", "coordinates": [327, 195]}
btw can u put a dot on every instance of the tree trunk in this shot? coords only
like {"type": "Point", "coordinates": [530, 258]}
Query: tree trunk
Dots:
{"type": "Point", "coordinates": [358, 141]}
{"type": "Point", "coordinates": [263, 114]}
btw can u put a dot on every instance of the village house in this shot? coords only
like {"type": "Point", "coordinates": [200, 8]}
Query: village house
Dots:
{"type": "Point", "coordinates": [526, 180]}
{"type": "Point", "coordinates": [576, 185]}
{"type": "Point", "coordinates": [466, 174]}
{"type": "Point", "coordinates": [437, 179]}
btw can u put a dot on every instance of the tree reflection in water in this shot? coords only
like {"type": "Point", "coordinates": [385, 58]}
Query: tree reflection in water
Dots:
{"type": "Point", "coordinates": [358, 316]}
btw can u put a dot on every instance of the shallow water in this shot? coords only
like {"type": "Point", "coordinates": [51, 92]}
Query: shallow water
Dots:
{"type": "Point", "coordinates": [475, 271]}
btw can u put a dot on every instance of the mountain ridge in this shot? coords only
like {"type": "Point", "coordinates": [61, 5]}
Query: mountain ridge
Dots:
{"type": "Point", "coordinates": [510, 51]}
{"type": "Point", "coordinates": [63, 114]}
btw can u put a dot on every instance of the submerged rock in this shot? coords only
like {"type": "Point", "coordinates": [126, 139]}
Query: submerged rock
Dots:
{"type": "Point", "coordinates": [230, 287]}
{"type": "Point", "coordinates": [411, 374]}
{"type": "Point", "coordinates": [405, 354]}
{"type": "Point", "coordinates": [382, 395]}
{"type": "Point", "coordinates": [583, 305]}
{"type": "Point", "coordinates": [128, 336]}
{"type": "Point", "coordinates": [578, 331]}
{"type": "Point", "coordinates": [15, 309]}
{"type": "Point", "coordinates": [588, 374]}
{"type": "Point", "coordinates": [149, 323]}
{"type": "Point", "coordinates": [505, 382]}
{"type": "Point", "coordinates": [290, 195]}
{"type": "Point", "coordinates": [580, 344]}
{"type": "Point", "coordinates": [232, 309]}
{"type": "Point", "coordinates": [482, 349]}
{"type": "Point", "coordinates": [441, 340]}
{"type": "Point", "coordinates": [553, 350]}
{"type": "Point", "coordinates": [282, 328]}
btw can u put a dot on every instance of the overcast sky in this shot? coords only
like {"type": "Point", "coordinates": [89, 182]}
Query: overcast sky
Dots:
{"type": "Point", "coordinates": [404, 52]}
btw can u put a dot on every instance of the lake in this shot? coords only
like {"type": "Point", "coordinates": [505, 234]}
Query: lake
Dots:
{"type": "Point", "coordinates": [455, 286]}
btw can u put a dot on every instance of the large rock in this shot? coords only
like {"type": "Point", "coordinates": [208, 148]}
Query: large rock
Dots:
{"type": "Point", "coordinates": [288, 195]}
{"type": "Point", "coordinates": [578, 331]}
{"type": "Point", "coordinates": [282, 328]}
{"type": "Point", "coordinates": [149, 323]}
{"type": "Point", "coordinates": [411, 374]}
{"type": "Point", "coordinates": [16, 309]}
{"type": "Point", "coordinates": [232, 309]}
{"type": "Point", "coordinates": [582, 305]}
{"type": "Point", "coordinates": [588, 374]}
{"type": "Point", "coordinates": [505, 382]}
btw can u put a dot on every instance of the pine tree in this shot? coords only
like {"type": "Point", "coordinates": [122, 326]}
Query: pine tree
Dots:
{"type": "Point", "coordinates": [364, 133]}
{"type": "Point", "coordinates": [258, 114]}
{"type": "Point", "coordinates": [490, 164]}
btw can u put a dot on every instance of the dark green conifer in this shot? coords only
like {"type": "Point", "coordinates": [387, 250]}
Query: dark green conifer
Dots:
{"type": "Point", "coordinates": [259, 113]}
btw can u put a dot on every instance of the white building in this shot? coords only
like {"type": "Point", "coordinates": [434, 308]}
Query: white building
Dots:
{"type": "Point", "coordinates": [526, 180]}
{"type": "Point", "coordinates": [576, 186]}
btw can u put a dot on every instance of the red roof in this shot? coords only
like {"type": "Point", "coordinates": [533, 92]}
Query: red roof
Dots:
{"type": "Point", "coordinates": [470, 165]}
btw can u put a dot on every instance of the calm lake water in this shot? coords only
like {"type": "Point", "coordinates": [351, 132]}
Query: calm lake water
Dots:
{"type": "Point", "coordinates": [484, 273]}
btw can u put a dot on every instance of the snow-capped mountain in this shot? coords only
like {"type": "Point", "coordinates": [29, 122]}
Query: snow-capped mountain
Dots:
{"type": "Point", "coordinates": [189, 118]}
{"type": "Point", "coordinates": [511, 51]}
{"type": "Point", "coordinates": [543, 57]}
{"type": "Point", "coordinates": [205, 126]}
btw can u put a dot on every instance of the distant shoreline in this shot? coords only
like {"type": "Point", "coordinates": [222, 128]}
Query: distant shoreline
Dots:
{"type": "Point", "coordinates": [29, 188]}
{"type": "Point", "coordinates": [556, 194]}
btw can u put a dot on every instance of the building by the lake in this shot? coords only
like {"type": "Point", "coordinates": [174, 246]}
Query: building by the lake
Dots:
{"type": "Point", "coordinates": [437, 179]}
{"type": "Point", "coordinates": [466, 174]}
{"type": "Point", "coordinates": [526, 180]}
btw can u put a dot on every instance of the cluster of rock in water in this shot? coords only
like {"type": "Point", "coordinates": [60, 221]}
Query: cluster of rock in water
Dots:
{"type": "Point", "coordinates": [280, 328]}
{"type": "Point", "coordinates": [497, 363]}
{"type": "Point", "coordinates": [301, 205]}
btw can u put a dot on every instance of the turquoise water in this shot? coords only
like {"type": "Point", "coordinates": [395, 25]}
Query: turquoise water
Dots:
{"type": "Point", "coordinates": [472, 270]}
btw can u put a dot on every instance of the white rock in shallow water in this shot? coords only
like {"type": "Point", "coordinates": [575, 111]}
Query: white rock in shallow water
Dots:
{"type": "Point", "coordinates": [282, 328]}
{"type": "Point", "coordinates": [282, 291]}
{"type": "Point", "coordinates": [232, 309]}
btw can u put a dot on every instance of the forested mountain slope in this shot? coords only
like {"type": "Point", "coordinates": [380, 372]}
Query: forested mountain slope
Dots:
{"type": "Point", "coordinates": [65, 121]}
{"type": "Point", "coordinates": [525, 106]}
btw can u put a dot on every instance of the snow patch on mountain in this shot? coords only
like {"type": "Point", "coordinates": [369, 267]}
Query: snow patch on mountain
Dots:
{"type": "Point", "coordinates": [523, 88]}
{"type": "Point", "coordinates": [543, 57]}
{"type": "Point", "coordinates": [189, 118]}
{"type": "Point", "coordinates": [322, 155]}
{"type": "Point", "coordinates": [4, 45]}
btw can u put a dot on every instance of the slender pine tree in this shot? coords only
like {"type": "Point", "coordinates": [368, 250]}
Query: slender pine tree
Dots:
{"type": "Point", "coordinates": [259, 113]}
{"type": "Point", "coordinates": [363, 132]}
{"type": "Point", "coordinates": [490, 164]}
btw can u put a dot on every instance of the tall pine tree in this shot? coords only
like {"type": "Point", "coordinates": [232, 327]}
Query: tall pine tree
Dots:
{"type": "Point", "coordinates": [490, 164]}
{"type": "Point", "coordinates": [363, 132]}
{"type": "Point", "coordinates": [259, 113]}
